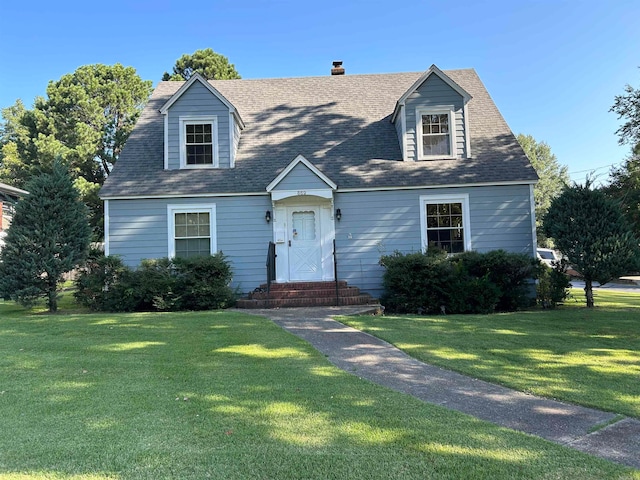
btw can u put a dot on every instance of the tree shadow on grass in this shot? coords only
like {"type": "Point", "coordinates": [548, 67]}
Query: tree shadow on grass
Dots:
{"type": "Point", "coordinates": [224, 394]}
{"type": "Point", "coordinates": [558, 354]}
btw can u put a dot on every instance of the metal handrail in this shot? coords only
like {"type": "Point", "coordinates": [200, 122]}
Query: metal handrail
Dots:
{"type": "Point", "coordinates": [335, 273]}
{"type": "Point", "coordinates": [271, 265]}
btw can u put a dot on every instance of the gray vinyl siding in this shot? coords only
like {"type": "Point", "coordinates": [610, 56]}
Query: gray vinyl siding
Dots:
{"type": "Point", "coordinates": [197, 100]}
{"type": "Point", "coordinates": [373, 224]}
{"type": "Point", "coordinates": [301, 178]}
{"type": "Point", "coordinates": [378, 223]}
{"type": "Point", "coordinates": [138, 230]}
{"type": "Point", "coordinates": [432, 93]}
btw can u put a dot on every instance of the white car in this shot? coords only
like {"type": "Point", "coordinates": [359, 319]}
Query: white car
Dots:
{"type": "Point", "coordinates": [547, 255]}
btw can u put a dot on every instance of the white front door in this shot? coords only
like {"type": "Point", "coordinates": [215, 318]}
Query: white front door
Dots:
{"type": "Point", "coordinates": [303, 230]}
{"type": "Point", "coordinates": [305, 243]}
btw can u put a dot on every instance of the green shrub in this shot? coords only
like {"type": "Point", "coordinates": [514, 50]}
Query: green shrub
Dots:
{"type": "Point", "coordinates": [553, 284]}
{"type": "Point", "coordinates": [104, 284]}
{"type": "Point", "coordinates": [417, 282]}
{"type": "Point", "coordinates": [197, 283]}
{"type": "Point", "coordinates": [203, 282]}
{"type": "Point", "coordinates": [512, 273]}
{"type": "Point", "coordinates": [471, 282]}
{"type": "Point", "coordinates": [155, 284]}
{"type": "Point", "coordinates": [472, 295]}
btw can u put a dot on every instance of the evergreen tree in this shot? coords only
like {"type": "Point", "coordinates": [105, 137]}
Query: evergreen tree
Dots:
{"type": "Point", "coordinates": [589, 228]}
{"type": "Point", "coordinates": [206, 62]}
{"type": "Point", "coordinates": [49, 236]}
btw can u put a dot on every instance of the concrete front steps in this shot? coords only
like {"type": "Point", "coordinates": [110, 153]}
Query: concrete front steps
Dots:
{"type": "Point", "coordinates": [305, 294]}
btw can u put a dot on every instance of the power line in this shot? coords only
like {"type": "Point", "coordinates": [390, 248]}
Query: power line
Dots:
{"type": "Point", "coordinates": [596, 168]}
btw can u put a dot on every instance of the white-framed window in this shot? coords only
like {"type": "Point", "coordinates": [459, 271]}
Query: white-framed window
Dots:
{"type": "Point", "coordinates": [191, 230]}
{"type": "Point", "coordinates": [445, 223]}
{"type": "Point", "coordinates": [199, 142]}
{"type": "Point", "coordinates": [435, 133]}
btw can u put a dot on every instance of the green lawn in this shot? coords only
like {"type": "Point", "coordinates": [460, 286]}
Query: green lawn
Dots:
{"type": "Point", "coordinates": [588, 357]}
{"type": "Point", "coordinates": [228, 395]}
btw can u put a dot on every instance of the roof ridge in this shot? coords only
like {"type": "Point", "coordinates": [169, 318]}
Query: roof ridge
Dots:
{"type": "Point", "coordinates": [315, 77]}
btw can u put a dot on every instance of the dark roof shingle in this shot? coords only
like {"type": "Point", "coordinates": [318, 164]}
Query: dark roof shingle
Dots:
{"type": "Point", "coordinates": [339, 123]}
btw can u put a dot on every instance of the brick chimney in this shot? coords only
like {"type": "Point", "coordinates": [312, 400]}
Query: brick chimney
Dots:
{"type": "Point", "coordinates": [337, 69]}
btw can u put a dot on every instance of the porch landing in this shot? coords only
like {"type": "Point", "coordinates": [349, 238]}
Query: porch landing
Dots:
{"type": "Point", "coordinates": [305, 294]}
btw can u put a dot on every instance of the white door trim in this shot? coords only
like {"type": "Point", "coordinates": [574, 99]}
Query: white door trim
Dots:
{"type": "Point", "coordinates": [282, 234]}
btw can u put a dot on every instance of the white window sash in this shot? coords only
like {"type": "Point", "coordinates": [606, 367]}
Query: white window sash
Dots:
{"type": "Point", "coordinates": [463, 199]}
{"type": "Point", "coordinates": [436, 110]}
{"type": "Point", "coordinates": [171, 225]}
{"type": "Point", "coordinates": [198, 120]}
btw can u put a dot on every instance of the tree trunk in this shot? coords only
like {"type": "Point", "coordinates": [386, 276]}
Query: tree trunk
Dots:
{"type": "Point", "coordinates": [588, 292]}
{"type": "Point", "coordinates": [52, 298]}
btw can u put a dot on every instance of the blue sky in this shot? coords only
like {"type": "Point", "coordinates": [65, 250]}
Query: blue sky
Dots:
{"type": "Point", "coordinates": [552, 67]}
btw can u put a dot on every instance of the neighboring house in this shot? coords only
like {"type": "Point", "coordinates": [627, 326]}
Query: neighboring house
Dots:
{"type": "Point", "coordinates": [8, 198]}
{"type": "Point", "coordinates": [378, 163]}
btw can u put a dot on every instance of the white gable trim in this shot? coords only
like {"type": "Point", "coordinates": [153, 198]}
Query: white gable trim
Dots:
{"type": "Point", "coordinates": [534, 234]}
{"type": "Point", "coordinates": [278, 195]}
{"type": "Point", "coordinates": [433, 70]}
{"type": "Point", "coordinates": [306, 163]}
{"type": "Point", "coordinates": [403, 128]}
{"type": "Point", "coordinates": [232, 143]}
{"type": "Point", "coordinates": [107, 226]}
{"type": "Point", "coordinates": [166, 141]}
{"type": "Point", "coordinates": [196, 77]}
{"type": "Point", "coordinates": [467, 133]}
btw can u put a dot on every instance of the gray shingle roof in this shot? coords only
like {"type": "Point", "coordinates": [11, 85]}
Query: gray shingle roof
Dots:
{"type": "Point", "coordinates": [340, 123]}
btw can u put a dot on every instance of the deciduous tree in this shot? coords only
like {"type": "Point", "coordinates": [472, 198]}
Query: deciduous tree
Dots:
{"type": "Point", "coordinates": [624, 186]}
{"type": "Point", "coordinates": [627, 106]}
{"type": "Point", "coordinates": [589, 228]}
{"type": "Point", "coordinates": [85, 120]}
{"type": "Point", "coordinates": [49, 236]}
{"type": "Point", "coordinates": [553, 178]}
{"type": "Point", "coordinates": [206, 62]}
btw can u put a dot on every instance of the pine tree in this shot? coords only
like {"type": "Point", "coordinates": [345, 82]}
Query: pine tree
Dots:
{"type": "Point", "coordinates": [48, 237]}
{"type": "Point", "coordinates": [590, 230]}
{"type": "Point", "coordinates": [206, 62]}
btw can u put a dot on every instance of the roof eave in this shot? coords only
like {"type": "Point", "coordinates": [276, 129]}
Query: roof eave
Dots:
{"type": "Point", "coordinates": [196, 77]}
{"type": "Point", "coordinates": [13, 191]}
{"type": "Point", "coordinates": [432, 70]}
{"type": "Point", "coordinates": [300, 159]}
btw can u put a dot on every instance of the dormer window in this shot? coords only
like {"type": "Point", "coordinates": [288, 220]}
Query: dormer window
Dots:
{"type": "Point", "coordinates": [435, 128]}
{"type": "Point", "coordinates": [198, 142]}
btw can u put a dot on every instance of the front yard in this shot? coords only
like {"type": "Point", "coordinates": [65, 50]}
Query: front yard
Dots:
{"type": "Point", "coordinates": [228, 395]}
{"type": "Point", "coordinates": [588, 357]}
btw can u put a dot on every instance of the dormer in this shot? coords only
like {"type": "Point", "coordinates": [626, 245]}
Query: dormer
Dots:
{"type": "Point", "coordinates": [431, 119]}
{"type": "Point", "coordinates": [201, 127]}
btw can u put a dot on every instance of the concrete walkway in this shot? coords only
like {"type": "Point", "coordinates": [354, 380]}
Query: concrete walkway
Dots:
{"type": "Point", "coordinates": [616, 439]}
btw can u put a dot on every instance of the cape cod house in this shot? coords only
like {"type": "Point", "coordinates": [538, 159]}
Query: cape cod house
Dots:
{"type": "Point", "coordinates": [334, 171]}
